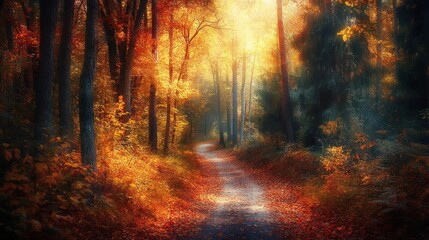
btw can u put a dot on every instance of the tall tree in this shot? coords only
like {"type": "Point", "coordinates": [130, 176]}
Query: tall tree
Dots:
{"type": "Point", "coordinates": [122, 51]}
{"type": "Point", "coordinates": [64, 64]}
{"type": "Point", "coordinates": [130, 52]}
{"type": "Point", "coordinates": [190, 27]}
{"type": "Point", "coordinates": [170, 81]}
{"type": "Point", "coordinates": [228, 109]}
{"type": "Point", "coordinates": [9, 22]}
{"type": "Point", "coordinates": [287, 111]}
{"type": "Point", "coordinates": [31, 62]}
{"type": "Point", "coordinates": [112, 47]}
{"type": "Point", "coordinates": [216, 81]}
{"type": "Point", "coordinates": [234, 67]}
{"type": "Point", "coordinates": [412, 42]}
{"type": "Point", "coordinates": [153, 130]}
{"type": "Point", "coordinates": [86, 98]}
{"type": "Point", "coordinates": [44, 123]}
{"type": "Point", "coordinates": [243, 97]}
{"type": "Point", "coordinates": [249, 132]}
{"type": "Point", "coordinates": [336, 76]}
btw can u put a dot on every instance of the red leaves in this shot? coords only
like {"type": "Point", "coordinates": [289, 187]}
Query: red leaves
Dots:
{"type": "Point", "coordinates": [298, 214]}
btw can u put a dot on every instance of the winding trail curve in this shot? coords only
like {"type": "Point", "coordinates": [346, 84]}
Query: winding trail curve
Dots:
{"type": "Point", "coordinates": [240, 211]}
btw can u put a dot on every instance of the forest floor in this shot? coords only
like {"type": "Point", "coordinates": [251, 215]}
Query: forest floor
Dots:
{"type": "Point", "coordinates": [241, 211]}
{"type": "Point", "coordinates": [253, 204]}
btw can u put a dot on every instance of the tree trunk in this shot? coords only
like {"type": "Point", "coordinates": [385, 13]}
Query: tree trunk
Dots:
{"type": "Point", "coordinates": [31, 50]}
{"type": "Point", "coordinates": [153, 136]}
{"type": "Point", "coordinates": [44, 123]}
{"type": "Point", "coordinates": [86, 106]}
{"type": "Point", "coordinates": [10, 38]}
{"type": "Point", "coordinates": [287, 111]}
{"type": "Point", "coordinates": [153, 131]}
{"type": "Point", "coordinates": [112, 47]}
{"type": "Point", "coordinates": [228, 111]}
{"type": "Point", "coordinates": [243, 98]}
{"type": "Point", "coordinates": [9, 28]}
{"type": "Point", "coordinates": [249, 131]}
{"type": "Point", "coordinates": [145, 20]}
{"type": "Point", "coordinates": [170, 81]}
{"type": "Point", "coordinates": [64, 64]}
{"type": "Point", "coordinates": [182, 75]}
{"type": "Point", "coordinates": [234, 95]}
{"type": "Point", "coordinates": [123, 52]}
{"type": "Point", "coordinates": [379, 27]}
{"type": "Point", "coordinates": [219, 107]}
{"type": "Point", "coordinates": [130, 57]}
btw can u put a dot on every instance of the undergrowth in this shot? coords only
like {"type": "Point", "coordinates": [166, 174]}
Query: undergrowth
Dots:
{"type": "Point", "coordinates": [360, 182]}
{"type": "Point", "coordinates": [133, 192]}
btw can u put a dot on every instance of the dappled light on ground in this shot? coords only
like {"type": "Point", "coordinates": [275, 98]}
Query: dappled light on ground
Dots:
{"type": "Point", "coordinates": [240, 211]}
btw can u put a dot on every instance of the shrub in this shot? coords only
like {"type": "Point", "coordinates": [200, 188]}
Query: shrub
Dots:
{"type": "Point", "coordinates": [295, 165]}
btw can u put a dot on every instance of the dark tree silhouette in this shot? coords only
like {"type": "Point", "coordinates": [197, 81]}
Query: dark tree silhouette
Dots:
{"type": "Point", "coordinates": [412, 42]}
{"type": "Point", "coordinates": [234, 94]}
{"type": "Point", "coordinates": [153, 129]}
{"type": "Point", "coordinates": [287, 111]}
{"type": "Point", "coordinates": [44, 123]}
{"type": "Point", "coordinates": [86, 98]}
{"type": "Point", "coordinates": [64, 64]}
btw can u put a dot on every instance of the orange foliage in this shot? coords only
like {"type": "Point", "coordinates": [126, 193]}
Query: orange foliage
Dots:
{"type": "Point", "coordinates": [133, 192]}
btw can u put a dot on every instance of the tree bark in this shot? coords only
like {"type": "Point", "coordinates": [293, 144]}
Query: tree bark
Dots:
{"type": "Point", "coordinates": [64, 64]}
{"type": "Point", "coordinates": [234, 95]}
{"type": "Point", "coordinates": [44, 123]}
{"type": "Point", "coordinates": [243, 98]}
{"type": "Point", "coordinates": [123, 52]}
{"type": "Point", "coordinates": [287, 111]}
{"type": "Point", "coordinates": [153, 131]}
{"type": "Point", "coordinates": [182, 75]}
{"type": "Point", "coordinates": [130, 57]}
{"type": "Point", "coordinates": [228, 112]}
{"type": "Point", "coordinates": [112, 47]}
{"type": "Point", "coordinates": [249, 131]}
{"type": "Point", "coordinates": [219, 105]}
{"type": "Point", "coordinates": [170, 81]}
{"type": "Point", "coordinates": [9, 33]}
{"type": "Point", "coordinates": [29, 64]}
{"type": "Point", "coordinates": [86, 105]}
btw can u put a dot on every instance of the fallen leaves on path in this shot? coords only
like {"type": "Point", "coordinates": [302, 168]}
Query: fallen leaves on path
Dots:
{"type": "Point", "coordinates": [298, 217]}
{"type": "Point", "coordinates": [184, 217]}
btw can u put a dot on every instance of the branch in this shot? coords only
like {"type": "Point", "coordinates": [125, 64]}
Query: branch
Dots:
{"type": "Point", "coordinates": [203, 24]}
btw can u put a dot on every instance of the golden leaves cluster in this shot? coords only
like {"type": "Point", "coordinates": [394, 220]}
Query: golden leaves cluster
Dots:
{"type": "Point", "coordinates": [349, 32]}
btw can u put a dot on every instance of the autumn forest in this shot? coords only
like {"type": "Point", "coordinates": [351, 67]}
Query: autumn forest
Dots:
{"type": "Point", "coordinates": [214, 119]}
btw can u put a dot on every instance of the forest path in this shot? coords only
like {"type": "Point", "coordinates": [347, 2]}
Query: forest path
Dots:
{"type": "Point", "coordinates": [240, 211]}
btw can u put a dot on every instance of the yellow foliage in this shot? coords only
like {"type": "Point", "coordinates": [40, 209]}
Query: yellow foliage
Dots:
{"type": "Point", "coordinates": [353, 3]}
{"type": "Point", "coordinates": [348, 32]}
{"type": "Point", "coordinates": [335, 159]}
{"type": "Point", "coordinates": [330, 128]}
{"type": "Point", "coordinates": [77, 185]}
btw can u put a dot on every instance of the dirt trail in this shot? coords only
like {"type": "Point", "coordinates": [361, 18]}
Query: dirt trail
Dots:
{"type": "Point", "coordinates": [240, 211]}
